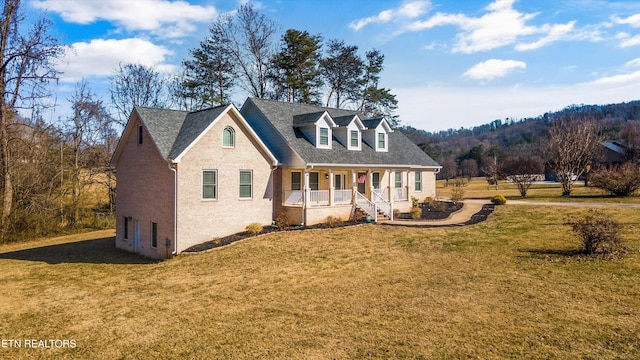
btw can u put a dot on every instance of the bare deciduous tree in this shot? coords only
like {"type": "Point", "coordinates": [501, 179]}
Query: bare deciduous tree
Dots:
{"type": "Point", "coordinates": [522, 170]}
{"type": "Point", "coordinates": [136, 85]}
{"type": "Point", "coordinates": [25, 70]}
{"type": "Point", "coordinates": [573, 144]}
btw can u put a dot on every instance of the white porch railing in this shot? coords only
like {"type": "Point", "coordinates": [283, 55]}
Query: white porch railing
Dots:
{"type": "Point", "coordinates": [399, 193]}
{"type": "Point", "coordinates": [342, 196]}
{"type": "Point", "coordinates": [293, 197]}
{"type": "Point", "coordinates": [318, 197]}
{"type": "Point", "coordinates": [367, 206]}
{"type": "Point", "coordinates": [381, 193]}
{"type": "Point", "coordinates": [383, 205]}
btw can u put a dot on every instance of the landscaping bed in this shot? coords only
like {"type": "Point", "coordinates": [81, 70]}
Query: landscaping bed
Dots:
{"type": "Point", "coordinates": [434, 210]}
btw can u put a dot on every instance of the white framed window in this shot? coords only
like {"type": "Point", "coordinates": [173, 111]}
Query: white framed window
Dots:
{"type": "Point", "coordinates": [375, 180]}
{"type": "Point", "coordinates": [323, 138]}
{"type": "Point", "coordinates": [154, 234]}
{"type": "Point", "coordinates": [313, 181]}
{"type": "Point", "coordinates": [228, 137]}
{"type": "Point", "coordinates": [296, 180]}
{"type": "Point", "coordinates": [382, 141]}
{"type": "Point", "coordinates": [209, 184]}
{"type": "Point", "coordinates": [246, 184]}
{"type": "Point", "coordinates": [418, 181]}
{"type": "Point", "coordinates": [398, 179]}
{"type": "Point", "coordinates": [354, 138]}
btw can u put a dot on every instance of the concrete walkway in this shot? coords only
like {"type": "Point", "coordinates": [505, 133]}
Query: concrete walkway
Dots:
{"type": "Point", "coordinates": [459, 217]}
{"type": "Point", "coordinates": [574, 204]}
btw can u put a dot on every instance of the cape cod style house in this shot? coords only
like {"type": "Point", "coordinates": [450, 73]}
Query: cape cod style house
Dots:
{"type": "Point", "coordinates": [184, 178]}
{"type": "Point", "coordinates": [332, 159]}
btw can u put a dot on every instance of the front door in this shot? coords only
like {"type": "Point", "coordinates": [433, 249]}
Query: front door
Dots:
{"type": "Point", "coordinates": [362, 182]}
{"type": "Point", "coordinates": [136, 236]}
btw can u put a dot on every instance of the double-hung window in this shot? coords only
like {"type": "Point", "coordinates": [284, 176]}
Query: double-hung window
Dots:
{"type": "Point", "coordinates": [324, 136]}
{"type": "Point", "coordinates": [245, 184]}
{"type": "Point", "coordinates": [313, 181]}
{"type": "Point", "coordinates": [398, 179]}
{"type": "Point", "coordinates": [355, 140]}
{"type": "Point", "coordinates": [296, 181]}
{"type": "Point", "coordinates": [209, 184]}
{"type": "Point", "coordinates": [418, 181]}
{"type": "Point", "coordinates": [382, 141]}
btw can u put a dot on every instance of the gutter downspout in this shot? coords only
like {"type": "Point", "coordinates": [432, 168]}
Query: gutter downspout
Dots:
{"type": "Point", "coordinates": [175, 207]}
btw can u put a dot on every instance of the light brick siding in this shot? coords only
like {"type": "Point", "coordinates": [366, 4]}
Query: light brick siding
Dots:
{"type": "Point", "coordinates": [201, 220]}
{"type": "Point", "coordinates": [144, 192]}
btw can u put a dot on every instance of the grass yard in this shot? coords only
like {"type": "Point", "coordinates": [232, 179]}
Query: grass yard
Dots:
{"type": "Point", "coordinates": [478, 188]}
{"type": "Point", "coordinates": [504, 288]}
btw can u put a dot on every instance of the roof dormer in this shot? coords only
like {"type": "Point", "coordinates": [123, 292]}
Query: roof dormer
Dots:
{"type": "Point", "coordinates": [377, 134]}
{"type": "Point", "coordinates": [317, 127]}
{"type": "Point", "coordinates": [349, 131]}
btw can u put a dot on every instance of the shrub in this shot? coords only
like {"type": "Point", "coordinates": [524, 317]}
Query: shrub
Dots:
{"type": "Point", "coordinates": [415, 202]}
{"type": "Point", "coordinates": [254, 228]}
{"type": "Point", "coordinates": [427, 200]}
{"type": "Point", "coordinates": [282, 221]}
{"type": "Point", "coordinates": [598, 232]}
{"type": "Point", "coordinates": [333, 221]}
{"type": "Point", "coordinates": [499, 199]}
{"type": "Point", "coordinates": [623, 180]}
{"type": "Point", "coordinates": [457, 191]}
{"type": "Point", "coordinates": [416, 213]}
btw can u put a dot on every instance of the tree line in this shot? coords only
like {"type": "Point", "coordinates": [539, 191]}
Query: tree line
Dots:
{"type": "Point", "coordinates": [565, 145]}
{"type": "Point", "coordinates": [56, 176]}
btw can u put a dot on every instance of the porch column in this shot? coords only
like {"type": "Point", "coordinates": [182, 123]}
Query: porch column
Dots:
{"type": "Point", "coordinates": [370, 183]}
{"type": "Point", "coordinates": [354, 185]}
{"type": "Point", "coordinates": [391, 177]}
{"type": "Point", "coordinates": [305, 195]}
{"type": "Point", "coordinates": [332, 186]}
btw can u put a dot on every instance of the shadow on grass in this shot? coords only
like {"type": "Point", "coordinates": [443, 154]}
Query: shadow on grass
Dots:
{"type": "Point", "coordinates": [556, 252]}
{"type": "Point", "coordinates": [94, 251]}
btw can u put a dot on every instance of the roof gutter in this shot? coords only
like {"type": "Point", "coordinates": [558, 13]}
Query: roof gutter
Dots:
{"type": "Point", "coordinates": [175, 207]}
{"type": "Point", "coordinates": [392, 166]}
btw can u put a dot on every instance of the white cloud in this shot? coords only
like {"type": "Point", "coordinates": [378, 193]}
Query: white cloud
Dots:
{"type": "Point", "coordinates": [620, 79]}
{"type": "Point", "coordinates": [632, 41]}
{"type": "Point", "coordinates": [633, 63]}
{"type": "Point", "coordinates": [170, 19]}
{"type": "Point", "coordinates": [633, 20]}
{"type": "Point", "coordinates": [409, 10]}
{"type": "Point", "coordinates": [455, 107]}
{"type": "Point", "coordinates": [494, 68]}
{"type": "Point", "coordinates": [554, 33]}
{"type": "Point", "coordinates": [100, 57]}
{"type": "Point", "coordinates": [502, 25]}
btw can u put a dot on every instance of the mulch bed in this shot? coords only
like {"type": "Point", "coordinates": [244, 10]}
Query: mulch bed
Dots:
{"type": "Point", "coordinates": [219, 242]}
{"type": "Point", "coordinates": [435, 210]}
{"type": "Point", "coordinates": [428, 212]}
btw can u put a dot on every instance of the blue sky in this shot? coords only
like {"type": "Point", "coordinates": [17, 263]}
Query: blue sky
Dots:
{"type": "Point", "coordinates": [451, 64]}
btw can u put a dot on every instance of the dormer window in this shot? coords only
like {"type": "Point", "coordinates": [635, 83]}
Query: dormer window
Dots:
{"type": "Point", "coordinates": [323, 139]}
{"type": "Point", "coordinates": [354, 138]}
{"type": "Point", "coordinates": [228, 137]}
{"type": "Point", "coordinates": [382, 141]}
{"type": "Point", "coordinates": [377, 134]}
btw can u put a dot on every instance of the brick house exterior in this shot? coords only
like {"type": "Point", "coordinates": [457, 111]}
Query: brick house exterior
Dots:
{"type": "Point", "coordinates": [184, 178]}
{"type": "Point", "coordinates": [190, 177]}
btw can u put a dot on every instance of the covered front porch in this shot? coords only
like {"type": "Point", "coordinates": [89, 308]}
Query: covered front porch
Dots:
{"type": "Point", "coordinates": [374, 190]}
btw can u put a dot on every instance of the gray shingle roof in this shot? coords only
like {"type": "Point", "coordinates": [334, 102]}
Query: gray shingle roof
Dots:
{"type": "Point", "coordinates": [174, 130]}
{"type": "Point", "coordinates": [306, 119]}
{"type": "Point", "coordinates": [281, 115]}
